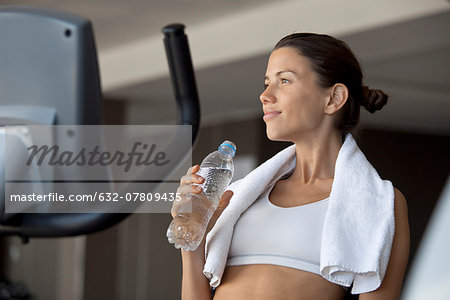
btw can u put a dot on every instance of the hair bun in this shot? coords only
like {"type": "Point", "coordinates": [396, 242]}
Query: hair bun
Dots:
{"type": "Point", "coordinates": [373, 100]}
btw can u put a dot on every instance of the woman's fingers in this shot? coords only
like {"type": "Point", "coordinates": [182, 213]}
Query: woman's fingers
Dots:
{"type": "Point", "coordinates": [191, 177]}
{"type": "Point", "coordinates": [188, 189]}
{"type": "Point", "coordinates": [224, 201]}
{"type": "Point", "coordinates": [189, 184]}
{"type": "Point", "coordinates": [193, 169]}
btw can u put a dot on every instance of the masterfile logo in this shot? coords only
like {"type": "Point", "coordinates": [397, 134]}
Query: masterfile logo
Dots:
{"type": "Point", "coordinates": [90, 168]}
{"type": "Point", "coordinates": [140, 154]}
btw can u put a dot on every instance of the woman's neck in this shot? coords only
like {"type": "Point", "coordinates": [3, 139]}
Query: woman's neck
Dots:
{"type": "Point", "coordinates": [316, 157]}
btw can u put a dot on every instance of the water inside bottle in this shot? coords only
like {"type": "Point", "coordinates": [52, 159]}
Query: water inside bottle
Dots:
{"type": "Point", "coordinates": [216, 181]}
{"type": "Point", "coordinates": [188, 228]}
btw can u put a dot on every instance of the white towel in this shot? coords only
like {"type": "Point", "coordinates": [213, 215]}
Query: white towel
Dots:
{"type": "Point", "coordinates": [359, 224]}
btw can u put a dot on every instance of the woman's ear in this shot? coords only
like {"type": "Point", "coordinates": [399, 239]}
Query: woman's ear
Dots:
{"type": "Point", "coordinates": [337, 97]}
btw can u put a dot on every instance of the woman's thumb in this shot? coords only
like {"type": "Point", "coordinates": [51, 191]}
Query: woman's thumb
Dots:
{"type": "Point", "coordinates": [225, 200]}
{"type": "Point", "coordinates": [223, 203]}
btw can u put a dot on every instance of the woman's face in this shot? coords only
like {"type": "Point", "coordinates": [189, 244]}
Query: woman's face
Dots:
{"type": "Point", "coordinates": [292, 101]}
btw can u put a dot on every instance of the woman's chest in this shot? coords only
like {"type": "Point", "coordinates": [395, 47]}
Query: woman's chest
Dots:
{"type": "Point", "coordinates": [289, 194]}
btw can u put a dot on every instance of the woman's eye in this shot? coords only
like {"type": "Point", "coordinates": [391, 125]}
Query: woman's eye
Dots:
{"type": "Point", "coordinates": [265, 86]}
{"type": "Point", "coordinates": [283, 80]}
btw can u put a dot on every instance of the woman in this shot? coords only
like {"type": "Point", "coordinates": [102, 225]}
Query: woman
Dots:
{"type": "Point", "coordinates": [312, 93]}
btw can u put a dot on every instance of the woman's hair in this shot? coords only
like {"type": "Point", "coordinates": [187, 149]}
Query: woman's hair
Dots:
{"type": "Point", "coordinates": [334, 62]}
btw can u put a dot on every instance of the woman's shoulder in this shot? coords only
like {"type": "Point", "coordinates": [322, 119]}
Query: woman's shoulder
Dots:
{"type": "Point", "coordinates": [400, 204]}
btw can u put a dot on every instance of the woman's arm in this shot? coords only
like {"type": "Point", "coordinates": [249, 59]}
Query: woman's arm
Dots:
{"type": "Point", "coordinates": [391, 286]}
{"type": "Point", "coordinates": [195, 286]}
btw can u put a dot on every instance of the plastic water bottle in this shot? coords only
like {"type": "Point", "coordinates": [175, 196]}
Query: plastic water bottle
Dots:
{"type": "Point", "coordinates": [187, 229]}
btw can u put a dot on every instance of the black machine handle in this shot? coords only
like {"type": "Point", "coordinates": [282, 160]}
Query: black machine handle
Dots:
{"type": "Point", "coordinates": [182, 75]}
{"type": "Point", "coordinates": [188, 113]}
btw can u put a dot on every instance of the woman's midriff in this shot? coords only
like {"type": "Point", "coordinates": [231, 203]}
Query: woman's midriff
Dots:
{"type": "Point", "coordinates": [272, 282]}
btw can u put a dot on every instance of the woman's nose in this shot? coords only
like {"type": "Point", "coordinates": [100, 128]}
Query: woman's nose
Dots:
{"type": "Point", "coordinates": [267, 95]}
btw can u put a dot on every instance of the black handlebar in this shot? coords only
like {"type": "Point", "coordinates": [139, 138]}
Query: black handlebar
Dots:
{"type": "Point", "coordinates": [182, 75]}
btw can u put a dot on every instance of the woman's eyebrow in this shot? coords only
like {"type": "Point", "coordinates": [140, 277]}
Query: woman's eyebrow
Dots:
{"type": "Point", "coordinates": [281, 72]}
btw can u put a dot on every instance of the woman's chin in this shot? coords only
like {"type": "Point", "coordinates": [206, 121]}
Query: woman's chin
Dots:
{"type": "Point", "coordinates": [277, 137]}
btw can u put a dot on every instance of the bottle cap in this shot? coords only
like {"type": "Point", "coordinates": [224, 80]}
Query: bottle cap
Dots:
{"type": "Point", "coordinates": [231, 146]}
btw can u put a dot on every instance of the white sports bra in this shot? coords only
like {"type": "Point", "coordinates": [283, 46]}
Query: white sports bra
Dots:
{"type": "Point", "coordinates": [285, 236]}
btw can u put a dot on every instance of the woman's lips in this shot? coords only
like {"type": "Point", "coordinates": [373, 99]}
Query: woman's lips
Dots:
{"type": "Point", "coordinates": [270, 115]}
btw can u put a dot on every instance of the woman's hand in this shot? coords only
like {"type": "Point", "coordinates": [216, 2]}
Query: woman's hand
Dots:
{"type": "Point", "coordinates": [224, 201]}
{"type": "Point", "coordinates": [191, 184]}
